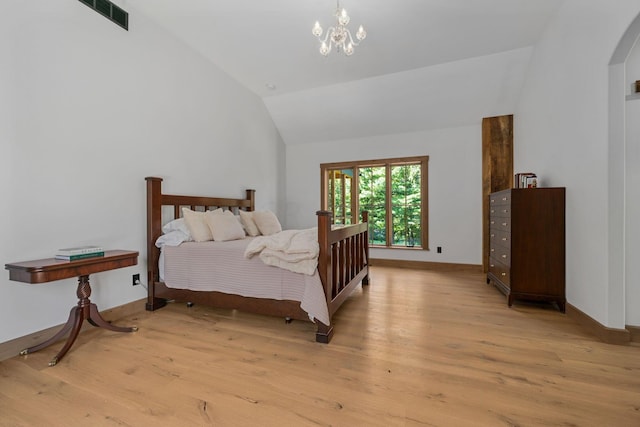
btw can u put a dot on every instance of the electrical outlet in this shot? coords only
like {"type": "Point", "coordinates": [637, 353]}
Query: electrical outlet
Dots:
{"type": "Point", "coordinates": [439, 250]}
{"type": "Point", "coordinates": [136, 279]}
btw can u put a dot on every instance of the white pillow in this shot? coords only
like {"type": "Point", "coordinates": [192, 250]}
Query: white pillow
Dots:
{"type": "Point", "coordinates": [248, 223]}
{"type": "Point", "coordinates": [176, 225]}
{"type": "Point", "coordinates": [267, 222]}
{"type": "Point", "coordinates": [197, 224]}
{"type": "Point", "coordinates": [237, 217]}
{"type": "Point", "coordinates": [172, 238]}
{"type": "Point", "coordinates": [224, 227]}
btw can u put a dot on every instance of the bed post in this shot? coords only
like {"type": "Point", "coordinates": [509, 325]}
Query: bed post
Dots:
{"type": "Point", "coordinates": [365, 219]}
{"type": "Point", "coordinates": [325, 332]}
{"type": "Point", "coordinates": [154, 228]}
{"type": "Point", "coordinates": [251, 197]}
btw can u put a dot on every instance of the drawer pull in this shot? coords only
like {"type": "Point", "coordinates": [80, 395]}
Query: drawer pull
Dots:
{"type": "Point", "coordinates": [504, 274]}
{"type": "Point", "coordinates": [492, 250]}
{"type": "Point", "coordinates": [504, 256]}
{"type": "Point", "coordinates": [493, 200]}
{"type": "Point", "coordinates": [493, 222]}
{"type": "Point", "coordinates": [492, 265]}
{"type": "Point", "coordinates": [493, 210]}
{"type": "Point", "coordinates": [505, 210]}
{"type": "Point", "coordinates": [504, 224]}
{"type": "Point", "coordinates": [493, 235]}
{"type": "Point", "coordinates": [504, 199]}
{"type": "Point", "coordinates": [504, 239]}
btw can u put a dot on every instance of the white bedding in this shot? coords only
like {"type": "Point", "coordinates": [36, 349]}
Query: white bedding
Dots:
{"type": "Point", "coordinates": [221, 266]}
{"type": "Point", "coordinates": [293, 250]}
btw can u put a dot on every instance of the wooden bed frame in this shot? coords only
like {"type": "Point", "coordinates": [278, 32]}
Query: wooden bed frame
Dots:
{"type": "Point", "coordinates": [343, 262]}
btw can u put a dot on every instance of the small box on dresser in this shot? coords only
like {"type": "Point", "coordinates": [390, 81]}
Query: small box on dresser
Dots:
{"type": "Point", "coordinates": [527, 244]}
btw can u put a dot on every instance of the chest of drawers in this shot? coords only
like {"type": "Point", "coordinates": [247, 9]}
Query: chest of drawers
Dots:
{"type": "Point", "coordinates": [527, 244]}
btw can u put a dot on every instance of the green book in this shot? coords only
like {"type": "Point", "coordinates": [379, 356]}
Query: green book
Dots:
{"type": "Point", "coordinates": [80, 250]}
{"type": "Point", "coordinates": [80, 256]}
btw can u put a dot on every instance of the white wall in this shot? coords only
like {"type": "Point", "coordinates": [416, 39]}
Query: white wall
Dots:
{"type": "Point", "coordinates": [632, 196]}
{"type": "Point", "coordinates": [7, 136]}
{"type": "Point", "coordinates": [87, 110]}
{"type": "Point", "coordinates": [455, 186]}
{"type": "Point", "coordinates": [561, 132]}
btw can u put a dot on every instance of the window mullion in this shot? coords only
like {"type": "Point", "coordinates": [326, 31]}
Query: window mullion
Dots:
{"type": "Point", "coordinates": [389, 219]}
{"type": "Point", "coordinates": [355, 196]}
{"type": "Point", "coordinates": [332, 201]}
{"type": "Point", "coordinates": [343, 181]}
{"type": "Point", "coordinates": [324, 188]}
{"type": "Point", "coordinates": [424, 203]}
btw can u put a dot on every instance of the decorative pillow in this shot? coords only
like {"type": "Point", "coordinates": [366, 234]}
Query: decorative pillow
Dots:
{"type": "Point", "coordinates": [224, 227]}
{"type": "Point", "coordinates": [237, 217]}
{"type": "Point", "coordinates": [197, 224]}
{"type": "Point", "coordinates": [248, 223]}
{"type": "Point", "coordinates": [267, 222]}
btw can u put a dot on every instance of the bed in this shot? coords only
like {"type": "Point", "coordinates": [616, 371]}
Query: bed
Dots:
{"type": "Point", "coordinates": [343, 261]}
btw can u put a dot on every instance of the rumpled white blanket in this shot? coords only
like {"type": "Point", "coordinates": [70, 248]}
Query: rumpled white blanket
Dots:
{"type": "Point", "coordinates": [293, 250]}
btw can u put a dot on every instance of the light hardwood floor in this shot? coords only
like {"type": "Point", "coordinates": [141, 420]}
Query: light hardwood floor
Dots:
{"type": "Point", "coordinates": [415, 348]}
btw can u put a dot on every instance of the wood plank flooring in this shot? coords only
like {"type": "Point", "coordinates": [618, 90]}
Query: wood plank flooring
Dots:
{"type": "Point", "coordinates": [415, 348]}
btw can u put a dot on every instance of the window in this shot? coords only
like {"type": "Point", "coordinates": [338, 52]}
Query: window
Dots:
{"type": "Point", "coordinates": [393, 191]}
{"type": "Point", "coordinates": [339, 184]}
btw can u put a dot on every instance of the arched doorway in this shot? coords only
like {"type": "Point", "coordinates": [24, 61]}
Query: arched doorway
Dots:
{"type": "Point", "coordinates": [624, 181]}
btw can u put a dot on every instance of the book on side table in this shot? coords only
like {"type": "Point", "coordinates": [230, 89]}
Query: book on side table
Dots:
{"type": "Point", "coordinates": [81, 252]}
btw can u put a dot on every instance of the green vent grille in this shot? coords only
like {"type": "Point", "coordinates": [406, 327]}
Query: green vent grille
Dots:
{"type": "Point", "coordinates": [109, 11]}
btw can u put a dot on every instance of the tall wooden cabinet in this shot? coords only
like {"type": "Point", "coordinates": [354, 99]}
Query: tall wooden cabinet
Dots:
{"type": "Point", "coordinates": [527, 244]}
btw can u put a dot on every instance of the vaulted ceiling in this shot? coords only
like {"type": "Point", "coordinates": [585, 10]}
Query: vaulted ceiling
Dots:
{"type": "Point", "coordinates": [425, 63]}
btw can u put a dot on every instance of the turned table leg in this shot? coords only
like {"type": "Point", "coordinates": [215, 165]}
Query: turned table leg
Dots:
{"type": "Point", "coordinates": [84, 310]}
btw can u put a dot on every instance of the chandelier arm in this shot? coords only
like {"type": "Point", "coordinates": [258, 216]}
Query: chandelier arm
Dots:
{"type": "Point", "coordinates": [353, 43]}
{"type": "Point", "coordinates": [327, 35]}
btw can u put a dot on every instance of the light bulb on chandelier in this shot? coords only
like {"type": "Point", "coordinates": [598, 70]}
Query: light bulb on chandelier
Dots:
{"type": "Point", "coordinates": [339, 35]}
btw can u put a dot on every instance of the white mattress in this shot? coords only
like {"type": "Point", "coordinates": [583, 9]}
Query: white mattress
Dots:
{"type": "Point", "coordinates": [222, 267]}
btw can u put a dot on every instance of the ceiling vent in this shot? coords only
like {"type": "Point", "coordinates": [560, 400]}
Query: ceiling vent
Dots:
{"type": "Point", "coordinates": [109, 11]}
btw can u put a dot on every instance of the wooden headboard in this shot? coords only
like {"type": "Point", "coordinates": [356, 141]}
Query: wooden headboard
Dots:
{"type": "Point", "coordinates": [156, 201]}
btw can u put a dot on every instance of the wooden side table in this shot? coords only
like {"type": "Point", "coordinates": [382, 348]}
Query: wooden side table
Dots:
{"type": "Point", "coordinates": [50, 269]}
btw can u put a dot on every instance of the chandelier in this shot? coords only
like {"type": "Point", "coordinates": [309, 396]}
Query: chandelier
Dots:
{"type": "Point", "coordinates": [339, 35]}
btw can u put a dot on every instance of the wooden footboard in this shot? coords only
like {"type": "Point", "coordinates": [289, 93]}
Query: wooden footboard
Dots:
{"type": "Point", "coordinates": [342, 263]}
